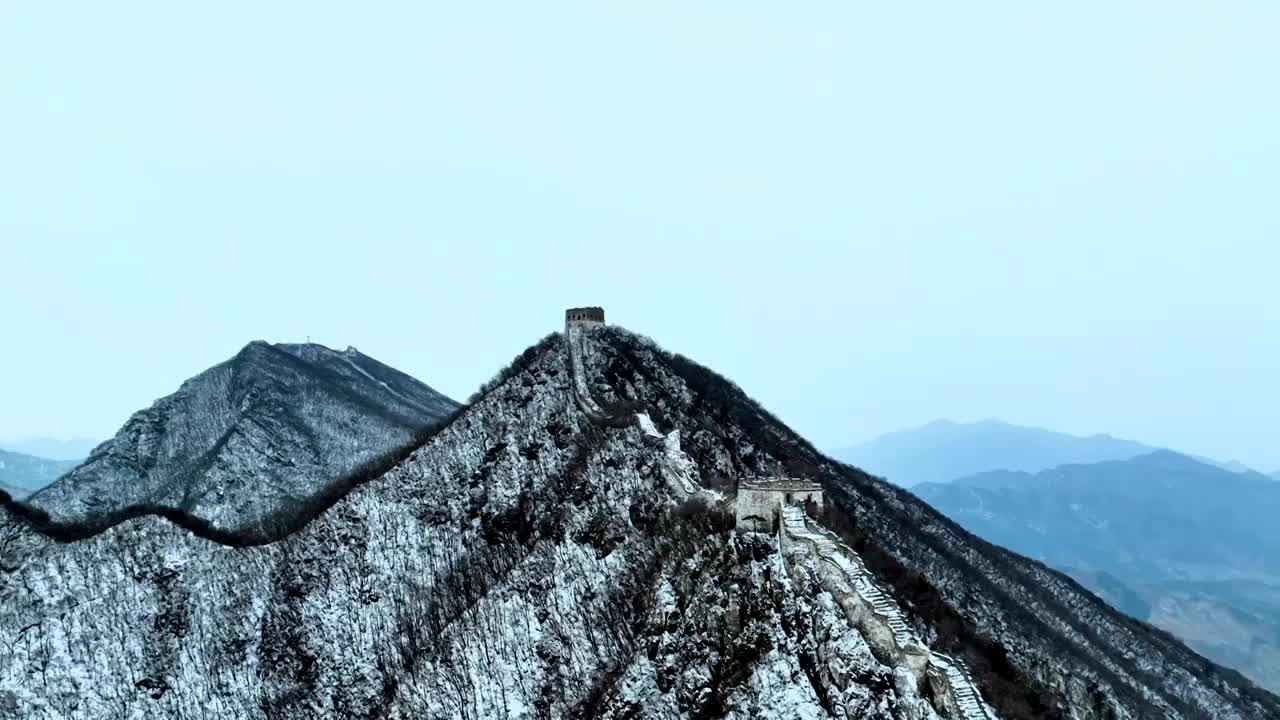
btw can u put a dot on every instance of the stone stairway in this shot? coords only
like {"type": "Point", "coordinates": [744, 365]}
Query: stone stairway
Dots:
{"type": "Point", "coordinates": [963, 688]}
{"type": "Point", "coordinates": [680, 469]}
{"type": "Point", "coordinates": [827, 548]}
{"type": "Point", "coordinates": [960, 684]}
{"type": "Point", "coordinates": [581, 392]}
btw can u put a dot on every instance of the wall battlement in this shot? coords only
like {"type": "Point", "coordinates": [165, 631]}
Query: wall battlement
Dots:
{"type": "Point", "coordinates": [801, 485]}
{"type": "Point", "coordinates": [593, 315]}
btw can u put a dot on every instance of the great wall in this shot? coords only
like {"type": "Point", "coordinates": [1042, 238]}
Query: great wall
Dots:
{"type": "Point", "coordinates": [805, 545]}
{"type": "Point", "coordinates": [877, 616]}
{"type": "Point", "coordinates": [680, 471]}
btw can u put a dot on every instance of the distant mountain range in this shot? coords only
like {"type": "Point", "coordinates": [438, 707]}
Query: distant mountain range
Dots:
{"type": "Point", "coordinates": [21, 475]}
{"type": "Point", "coordinates": [76, 449]}
{"type": "Point", "coordinates": [249, 440]}
{"type": "Point", "coordinates": [1186, 545]}
{"type": "Point", "coordinates": [14, 492]}
{"type": "Point", "coordinates": [943, 450]}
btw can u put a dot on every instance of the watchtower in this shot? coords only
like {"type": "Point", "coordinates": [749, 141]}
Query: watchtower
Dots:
{"type": "Point", "coordinates": [760, 499]}
{"type": "Point", "coordinates": [585, 315]}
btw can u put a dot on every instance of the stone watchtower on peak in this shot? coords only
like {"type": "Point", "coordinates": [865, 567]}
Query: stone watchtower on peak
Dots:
{"type": "Point", "coordinates": [585, 315]}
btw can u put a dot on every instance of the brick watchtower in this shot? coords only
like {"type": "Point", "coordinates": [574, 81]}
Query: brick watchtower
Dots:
{"type": "Point", "coordinates": [585, 315]}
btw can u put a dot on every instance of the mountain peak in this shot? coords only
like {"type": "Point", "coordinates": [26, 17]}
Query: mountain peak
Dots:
{"type": "Point", "coordinates": [944, 450]}
{"type": "Point", "coordinates": [1170, 458]}
{"type": "Point", "coordinates": [248, 440]}
{"type": "Point", "coordinates": [1197, 541]}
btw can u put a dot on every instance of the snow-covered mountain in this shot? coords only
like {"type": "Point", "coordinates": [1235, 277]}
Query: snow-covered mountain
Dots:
{"type": "Point", "coordinates": [561, 550]}
{"type": "Point", "coordinates": [248, 441]}
{"type": "Point", "coordinates": [22, 474]}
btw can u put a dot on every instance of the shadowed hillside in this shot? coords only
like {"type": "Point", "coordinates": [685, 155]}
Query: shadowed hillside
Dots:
{"type": "Point", "coordinates": [1186, 545]}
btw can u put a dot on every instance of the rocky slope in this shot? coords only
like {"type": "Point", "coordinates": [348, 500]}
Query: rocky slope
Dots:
{"type": "Point", "coordinates": [529, 562]}
{"type": "Point", "coordinates": [22, 474]}
{"type": "Point", "coordinates": [1185, 545]}
{"type": "Point", "coordinates": [248, 441]}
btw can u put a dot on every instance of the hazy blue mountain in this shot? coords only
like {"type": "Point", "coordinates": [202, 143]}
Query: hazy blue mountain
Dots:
{"type": "Point", "coordinates": [21, 475]}
{"type": "Point", "coordinates": [76, 449]}
{"type": "Point", "coordinates": [943, 450]}
{"type": "Point", "coordinates": [1113, 590]}
{"type": "Point", "coordinates": [14, 492]}
{"type": "Point", "coordinates": [1183, 544]}
{"type": "Point", "coordinates": [1233, 465]}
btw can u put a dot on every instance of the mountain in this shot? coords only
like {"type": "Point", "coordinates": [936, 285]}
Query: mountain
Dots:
{"type": "Point", "coordinates": [1182, 544]}
{"type": "Point", "coordinates": [16, 493]}
{"type": "Point", "coordinates": [247, 441]}
{"type": "Point", "coordinates": [24, 474]}
{"type": "Point", "coordinates": [1234, 466]}
{"type": "Point", "coordinates": [73, 449]}
{"type": "Point", "coordinates": [565, 548]}
{"type": "Point", "coordinates": [943, 450]}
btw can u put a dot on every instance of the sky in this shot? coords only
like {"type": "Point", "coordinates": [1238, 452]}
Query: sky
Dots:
{"type": "Point", "coordinates": [867, 216]}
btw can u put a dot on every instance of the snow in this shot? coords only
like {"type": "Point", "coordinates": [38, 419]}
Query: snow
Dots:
{"type": "Point", "coordinates": [528, 562]}
{"type": "Point", "coordinates": [646, 425]}
{"type": "Point", "coordinates": [247, 441]}
{"type": "Point", "coordinates": [347, 359]}
{"type": "Point", "coordinates": [777, 695]}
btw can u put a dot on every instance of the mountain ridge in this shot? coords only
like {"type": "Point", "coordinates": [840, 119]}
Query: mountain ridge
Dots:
{"type": "Point", "coordinates": [240, 444]}
{"type": "Point", "coordinates": [1180, 543]}
{"type": "Point", "coordinates": [943, 450]}
{"type": "Point", "coordinates": [13, 492]}
{"type": "Point", "coordinates": [526, 561]}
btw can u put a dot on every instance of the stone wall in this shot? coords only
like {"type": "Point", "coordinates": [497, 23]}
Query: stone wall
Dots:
{"type": "Point", "coordinates": [756, 510]}
{"type": "Point", "coordinates": [757, 507]}
{"type": "Point", "coordinates": [878, 618]}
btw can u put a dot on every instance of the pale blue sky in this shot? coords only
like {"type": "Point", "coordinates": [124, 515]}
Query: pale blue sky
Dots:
{"type": "Point", "coordinates": [868, 216]}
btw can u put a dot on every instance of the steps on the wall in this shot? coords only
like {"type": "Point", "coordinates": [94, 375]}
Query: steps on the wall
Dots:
{"type": "Point", "coordinates": [961, 685]}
